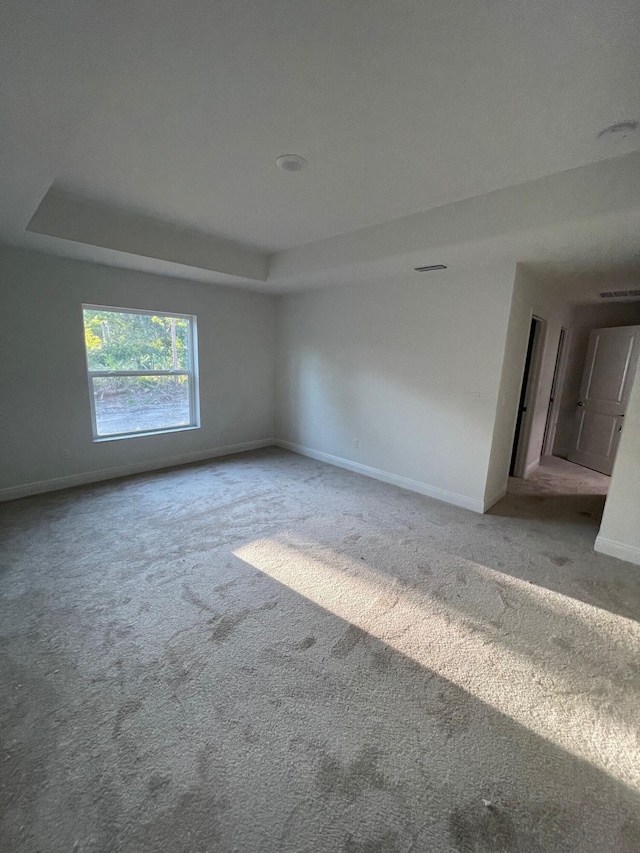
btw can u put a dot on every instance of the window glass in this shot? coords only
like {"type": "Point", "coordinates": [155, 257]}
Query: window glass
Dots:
{"type": "Point", "coordinates": [116, 340]}
{"type": "Point", "coordinates": [141, 368]}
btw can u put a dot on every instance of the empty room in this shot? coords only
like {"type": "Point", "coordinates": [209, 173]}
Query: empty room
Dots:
{"type": "Point", "coordinates": [319, 426]}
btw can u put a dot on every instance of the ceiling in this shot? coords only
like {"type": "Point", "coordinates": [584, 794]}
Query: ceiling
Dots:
{"type": "Point", "coordinates": [151, 129]}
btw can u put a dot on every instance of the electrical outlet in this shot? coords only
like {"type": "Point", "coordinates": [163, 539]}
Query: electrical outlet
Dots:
{"type": "Point", "coordinates": [65, 453]}
{"type": "Point", "coordinates": [356, 442]}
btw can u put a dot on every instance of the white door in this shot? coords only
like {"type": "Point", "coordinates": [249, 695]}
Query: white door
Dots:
{"type": "Point", "coordinates": [606, 382]}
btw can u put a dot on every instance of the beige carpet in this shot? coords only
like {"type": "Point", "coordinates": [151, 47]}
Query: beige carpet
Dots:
{"type": "Point", "coordinates": [557, 491]}
{"type": "Point", "coordinates": [561, 477]}
{"type": "Point", "coordinates": [264, 653]}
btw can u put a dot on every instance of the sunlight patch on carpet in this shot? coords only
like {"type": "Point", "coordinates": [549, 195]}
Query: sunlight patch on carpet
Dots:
{"type": "Point", "coordinates": [521, 649]}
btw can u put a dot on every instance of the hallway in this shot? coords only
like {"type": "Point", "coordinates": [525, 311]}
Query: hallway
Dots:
{"type": "Point", "coordinates": [557, 476]}
{"type": "Point", "coordinates": [558, 490]}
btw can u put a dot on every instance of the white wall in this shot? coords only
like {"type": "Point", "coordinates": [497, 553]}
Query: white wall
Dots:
{"type": "Point", "coordinates": [43, 383]}
{"type": "Point", "coordinates": [531, 296]}
{"type": "Point", "coordinates": [409, 369]}
{"type": "Point", "coordinates": [584, 319]}
{"type": "Point", "coordinates": [619, 533]}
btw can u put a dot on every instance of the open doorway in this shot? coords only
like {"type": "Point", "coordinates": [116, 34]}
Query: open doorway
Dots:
{"type": "Point", "coordinates": [574, 487]}
{"type": "Point", "coordinates": [539, 482]}
{"type": "Point", "coordinates": [528, 389]}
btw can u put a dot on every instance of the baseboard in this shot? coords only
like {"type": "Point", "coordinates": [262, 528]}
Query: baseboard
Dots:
{"type": "Point", "coordinates": [531, 468]}
{"type": "Point", "coordinates": [497, 496]}
{"type": "Point", "coordinates": [82, 479]}
{"type": "Point", "coordinates": [385, 476]}
{"type": "Point", "coordinates": [617, 549]}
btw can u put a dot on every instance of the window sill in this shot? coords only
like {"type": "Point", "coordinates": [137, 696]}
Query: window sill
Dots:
{"type": "Point", "coordinates": [99, 439]}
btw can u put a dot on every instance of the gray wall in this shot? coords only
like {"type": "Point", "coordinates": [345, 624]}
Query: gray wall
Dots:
{"type": "Point", "coordinates": [585, 318]}
{"type": "Point", "coordinates": [43, 382]}
{"type": "Point", "coordinates": [409, 369]}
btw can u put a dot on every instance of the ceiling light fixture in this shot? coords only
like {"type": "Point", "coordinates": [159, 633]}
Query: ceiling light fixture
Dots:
{"type": "Point", "coordinates": [291, 162]}
{"type": "Point", "coordinates": [430, 268]}
{"type": "Point", "coordinates": [619, 129]}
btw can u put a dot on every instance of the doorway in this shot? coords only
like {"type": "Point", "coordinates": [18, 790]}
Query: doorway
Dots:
{"type": "Point", "coordinates": [573, 488]}
{"type": "Point", "coordinates": [518, 464]}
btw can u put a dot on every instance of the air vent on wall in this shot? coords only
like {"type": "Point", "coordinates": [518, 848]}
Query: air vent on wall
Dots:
{"type": "Point", "coordinates": [620, 294]}
{"type": "Point", "coordinates": [430, 268]}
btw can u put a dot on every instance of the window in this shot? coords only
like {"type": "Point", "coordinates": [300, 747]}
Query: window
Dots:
{"type": "Point", "coordinates": [142, 371]}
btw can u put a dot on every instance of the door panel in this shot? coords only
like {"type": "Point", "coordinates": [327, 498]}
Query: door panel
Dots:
{"type": "Point", "coordinates": [596, 433]}
{"type": "Point", "coordinates": [609, 368]}
{"type": "Point", "coordinates": [606, 383]}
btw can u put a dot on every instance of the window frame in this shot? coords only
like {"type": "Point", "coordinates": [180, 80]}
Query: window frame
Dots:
{"type": "Point", "coordinates": [191, 373]}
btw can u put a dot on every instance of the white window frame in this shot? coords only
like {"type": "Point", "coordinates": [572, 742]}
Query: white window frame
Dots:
{"type": "Point", "coordinates": [191, 373]}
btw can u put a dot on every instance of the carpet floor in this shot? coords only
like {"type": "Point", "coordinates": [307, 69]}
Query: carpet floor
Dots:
{"type": "Point", "coordinates": [265, 653]}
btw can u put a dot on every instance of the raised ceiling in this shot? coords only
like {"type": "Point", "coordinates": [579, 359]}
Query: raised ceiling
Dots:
{"type": "Point", "coordinates": [174, 111]}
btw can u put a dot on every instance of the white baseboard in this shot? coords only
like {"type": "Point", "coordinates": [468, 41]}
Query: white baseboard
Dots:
{"type": "Point", "coordinates": [497, 496]}
{"type": "Point", "coordinates": [617, 549]}
{"type": "Point", "coordinates": [385, 476]}
{"type": "Point", "coordinates": [531, 468]}
{"type": "Point", "coordinates": [85, 477]}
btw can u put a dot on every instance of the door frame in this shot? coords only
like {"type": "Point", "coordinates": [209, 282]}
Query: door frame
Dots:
{"type": "Point", "coordinates": [530, 385]}
{"type": "Point", "coordinates": [557, 386]}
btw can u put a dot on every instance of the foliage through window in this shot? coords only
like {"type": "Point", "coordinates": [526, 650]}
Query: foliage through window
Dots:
{"type": "Point", "coordinates": [141, 369]}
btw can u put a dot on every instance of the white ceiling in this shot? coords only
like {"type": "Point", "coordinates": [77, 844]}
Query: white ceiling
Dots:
{"type": "Point", "coordinates": [175, 110]}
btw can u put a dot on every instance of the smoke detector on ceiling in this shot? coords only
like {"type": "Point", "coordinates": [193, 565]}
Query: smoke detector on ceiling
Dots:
{"type": "Point", "coordinates": [291, 162]}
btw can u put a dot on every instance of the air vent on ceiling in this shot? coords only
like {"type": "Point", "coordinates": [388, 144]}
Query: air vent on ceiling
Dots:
{"type": "Point", "coordinates": [620, 294]}
{"type": "Point", "coordinates": [430, 268]}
